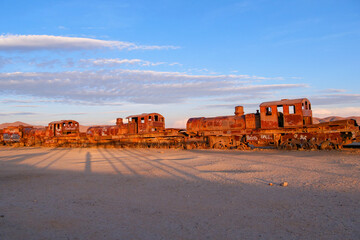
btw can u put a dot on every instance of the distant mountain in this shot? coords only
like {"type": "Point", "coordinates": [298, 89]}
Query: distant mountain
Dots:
{"type": "Point", "coordinates": [334, 118]}
{"type": "Point", "coordinates": [83, 128]}
{"type": "Point", "coordinates": [18, 123]}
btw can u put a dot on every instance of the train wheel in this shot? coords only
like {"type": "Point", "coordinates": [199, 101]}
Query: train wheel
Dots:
{"type": "Point", "coordinates": [289, 145]}
{"type": "Point", "coordinates": [165, 145]}
{"type": "Point", "coordinates": [219, 145]}
{"type": "Point", "coordinates": [242, 146]}
{"type": "Point", "coordinates": [309, 146]}
{"type": "Point", "coordinates": [154, 145]}
{"type": "Point", "coordinates": [192, 145]}
{"type": "Point", "coordinates": [178, 145]}
{"type": "Point", "coordinates": [328, 145]}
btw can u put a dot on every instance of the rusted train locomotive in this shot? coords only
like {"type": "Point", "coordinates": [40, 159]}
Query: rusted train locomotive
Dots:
{"type": "Point", "coordinates": [285, 124]}
{"type": "Point", "coordinates": [21, 135]}
{"type": "Point", "coordinates": [144, 130]}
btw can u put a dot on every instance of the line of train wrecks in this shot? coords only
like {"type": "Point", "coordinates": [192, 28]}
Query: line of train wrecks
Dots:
{"type": "Point", "coordinates": [285, 124]}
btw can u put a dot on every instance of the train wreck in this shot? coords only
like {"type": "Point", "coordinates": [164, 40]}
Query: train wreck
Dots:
{"type": "Point", "coordinates": [285, 124]}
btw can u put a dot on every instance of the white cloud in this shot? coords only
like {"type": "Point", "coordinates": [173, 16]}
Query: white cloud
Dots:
{"type": "Point", "coordinates": [117, 61]}
{"type": "Point", "coordinates": [334, 99]}
{"type": "Point", "coordinates": [5, 61]}
{"type": "Point", "coordinates": [341, 112]}
{"type": "Point", "coordinates": [265, 87]}
{"type": "Point", "coordinates": [49, 42]}
{"type": "Point", "coordinates": [3, 114]}
{"type": "Point", "coordinates": [333, 90]}
{"type": "Point", "coordinates": [26, 106]}
{"type": "Point", "coordinates": [180, 123]}
{"type": "Point", "coordinates": [119, 86]}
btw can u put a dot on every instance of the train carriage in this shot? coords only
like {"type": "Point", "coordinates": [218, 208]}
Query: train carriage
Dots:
{"type": "Point", "coordinates": [64, 133]}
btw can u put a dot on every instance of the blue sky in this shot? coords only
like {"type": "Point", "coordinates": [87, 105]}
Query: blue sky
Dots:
{"type": "Point", "coordinates": [94, 61]}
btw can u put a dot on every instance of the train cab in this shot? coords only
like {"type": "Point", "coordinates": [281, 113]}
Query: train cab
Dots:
{"type": "Point", "coordinates": [146, 123]}
{"type": "Point", "coordinates": [286, 113]}
{"type": "Point", "coordinates": [63, 128]}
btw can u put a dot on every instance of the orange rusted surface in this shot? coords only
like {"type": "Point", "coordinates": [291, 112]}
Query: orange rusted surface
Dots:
{"type": "Point", "coordinates": [146, 123]}
{"type": "Point", "coordinates": [12, 134]}
{"type": "Point", "coordinates": [24, 135]}
{"type": "Point", "coordinates": [286, 113]}
{"type": "Point", "coordinates": [147, 129]}
{"type": "Point", "coordinates": [63, 128]}
{"type": "Point", "coordinates": [285, 124]}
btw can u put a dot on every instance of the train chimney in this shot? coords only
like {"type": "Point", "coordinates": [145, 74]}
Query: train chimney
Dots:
{"type": "Point", "coordinates": [119, 121]}
{"type": "Point", "coordinates": [239, 110]}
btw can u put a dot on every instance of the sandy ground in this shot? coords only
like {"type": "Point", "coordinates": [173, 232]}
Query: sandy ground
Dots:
{"type": "Point", "coordinates": [175, 194]}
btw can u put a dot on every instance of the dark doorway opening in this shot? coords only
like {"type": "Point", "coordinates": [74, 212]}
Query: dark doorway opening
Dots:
{"type": "Point", "coordinates": [280, 114]}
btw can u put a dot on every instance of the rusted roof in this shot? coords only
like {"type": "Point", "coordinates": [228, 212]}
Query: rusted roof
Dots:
{"type": "Point", "coordinates": [144, 115]}
{"type": "Point", "coordinates": [284, 102]}
{"type": "Point", "coordinates": [62, 121]}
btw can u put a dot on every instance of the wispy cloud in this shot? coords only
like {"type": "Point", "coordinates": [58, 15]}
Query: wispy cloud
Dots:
{"type": "Point", "coordinates": [117, 61]}
{"type": "Point", "coordinates": [26, 106]}
{"type": "Point", "coordinates": [341, 112]}
{"type": "Point", "coordinates": [335, 99]}
{"type": "Point", "coordinates": [137, 86]}
{"type": "Point", "coordinates": [49, 42]}
{"type": "Point", "coordinates": [12, 101]}
{"type": "Point", "coordinates": [3, 114]}
{"type": "Point", "coordinates": [245, 97]}
{"type": "Point", "coordinates": [180, 123]}
{"type": "Point", "coordinates": [230, 106]}
{"type": "Point", "coordinates": [5, 61]}
{"type": "Point", "coordinates": [68, 114]}
{"type": "Point", "coordinates": [333, 90]}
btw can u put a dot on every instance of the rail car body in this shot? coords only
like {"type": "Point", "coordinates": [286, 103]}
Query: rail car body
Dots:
{"type": "Point", "coordinates": [13, 134]}
{"type": "Point", "coordinates": [64, 133]}
{"type": "Point", "coordinates": [22, 135]}
{"type": "Point", "coordinates": [144, 130]}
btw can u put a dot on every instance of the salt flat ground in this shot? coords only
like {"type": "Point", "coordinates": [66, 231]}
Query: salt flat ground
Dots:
{"type": "Point", "coordinates": [79, 193]}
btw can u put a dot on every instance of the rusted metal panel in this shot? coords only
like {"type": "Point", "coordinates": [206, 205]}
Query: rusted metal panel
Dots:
{"type": "Point", "coordinates": [12, 134]}
{"type": "Point", "coordinates": [146, 123]}
{"type": "Point", "coordinates": [284, 102]}
{"type": "Point", "coordinates": [225, 123]}
{"type": "Point", "coordinates": [260, 139]}
{"type": "Point", "coordinates": [293, 120]}
{"type": "Point", "coordinates": [250, 120]}
{"type": "Point", "coordinates": [63, 128]}
{"type": "Point", "coordinates": [269, 118]}
{"type": "Point", "coordinates": [286, 113]}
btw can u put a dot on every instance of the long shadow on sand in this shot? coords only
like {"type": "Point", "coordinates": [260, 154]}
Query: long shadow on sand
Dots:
{"type": "Point", "coordinates": [58, 204]}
